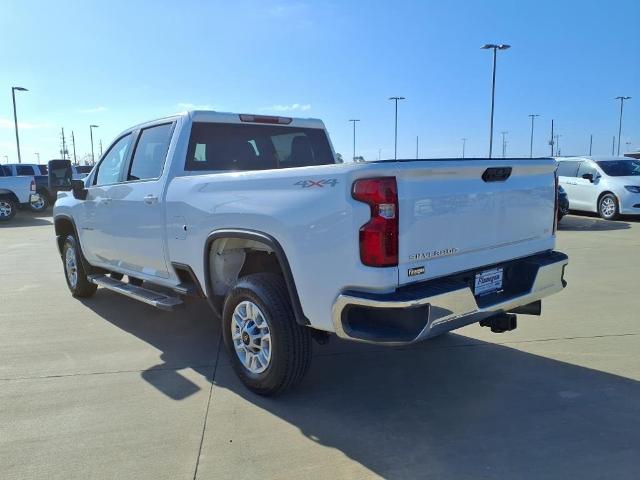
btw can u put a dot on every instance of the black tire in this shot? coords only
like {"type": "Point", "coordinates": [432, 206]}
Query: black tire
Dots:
{"type": "Point", "coordinates": [290, 343]}
{"type": "Point", "coordinates": [82, 288]}
{"type": "Point", "coordinates": [116, 275]}
{"type": "Point", "coordinates": [41, 206]}
{"type": "Point", "coordinates": [7, 209]}
{"type": "Point", "coordinates": [608, 207]}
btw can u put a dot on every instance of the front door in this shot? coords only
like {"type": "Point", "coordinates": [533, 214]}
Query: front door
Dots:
{"type": "Point", "coordinates": [136, 224]}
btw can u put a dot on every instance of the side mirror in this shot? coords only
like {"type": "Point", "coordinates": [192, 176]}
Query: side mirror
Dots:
{"type": "Point", "coordinates": [588, 176]}
{"type": "Point", "coordinates": [79, 191]}
{"type": "Point", "coordinates": [60, 175]}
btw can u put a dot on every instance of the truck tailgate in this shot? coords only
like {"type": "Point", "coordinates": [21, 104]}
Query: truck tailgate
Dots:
{"type": "Point", "coordinates": [452, 219]}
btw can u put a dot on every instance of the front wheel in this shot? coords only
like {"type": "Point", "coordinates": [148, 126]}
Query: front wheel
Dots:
{"type": "Point", "coordinates": [269, 351]}
{"type": "Point", "coordinates": [608, 207]}
{"type": "Point", "coordinates": [77, 280]}
{"type": "Point", "coordinates": [7, 209]}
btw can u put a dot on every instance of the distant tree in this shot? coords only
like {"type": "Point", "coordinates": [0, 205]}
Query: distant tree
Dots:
{"type": "Point", "coordinates": [359, 159]}
{"type": "Point", "coordinates": [339, 158]}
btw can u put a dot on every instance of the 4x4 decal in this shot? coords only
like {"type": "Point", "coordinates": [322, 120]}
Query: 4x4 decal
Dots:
{"type": "Point", "coordinates": [317, 183]}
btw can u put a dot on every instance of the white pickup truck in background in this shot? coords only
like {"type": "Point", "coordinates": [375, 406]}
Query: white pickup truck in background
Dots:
{"type": "Point", "coordinates": [15, 192]}
{"type": "Point", "coordinates": [252, 213]}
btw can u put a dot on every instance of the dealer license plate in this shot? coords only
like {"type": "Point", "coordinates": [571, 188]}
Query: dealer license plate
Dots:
{"type": "Point", "coordinates": [488, 281]}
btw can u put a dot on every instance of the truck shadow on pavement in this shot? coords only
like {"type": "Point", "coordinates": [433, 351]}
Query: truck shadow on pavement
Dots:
{"type": "Point", "coordinates": [26, 219]}
{"type": "Point", "coordinates": [590, 224]}
{"type": "Point", "coordinates": [452, 407]}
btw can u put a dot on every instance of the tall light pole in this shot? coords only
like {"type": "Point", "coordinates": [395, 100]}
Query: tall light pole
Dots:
{"type": "Point", "coordinates": [417, 147]}
{"type": "Point", "coordinates": [73, 142]}
{"type": "Point", "coordinates": [38, 155]}
{"type": "Point", "coordinates": [464, 144]}
{"type": "Point", "coordinates": [495, 48]}
{"type": "Point", "coordinates": [557, 142]}
{"type": "Point", "coordinates": [504, 143]}
{"type": "Point", "coordinates": [15, 117]}
{"type": "Point", "coordinates": [354, 137]}
{"type": "Point", "coordinates": [91, 127]}
{"type": "Point", "coordinates": [622, 99]}
{"type": "Point", "coordinates": [590, 143]}
{"type": "Point", "coordinates": [395, 148]}
{"type": "Point", "coordinates": [533, 117]}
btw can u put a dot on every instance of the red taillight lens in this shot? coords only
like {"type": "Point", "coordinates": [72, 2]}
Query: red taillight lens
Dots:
{"type": "Point", "coordinates": [33, 186]}
{"type": "Point", "coordinates": [379, 236]}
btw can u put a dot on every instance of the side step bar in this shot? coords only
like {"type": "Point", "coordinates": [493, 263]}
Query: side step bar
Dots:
{"type": "Point", "coordinates": [150, 297]}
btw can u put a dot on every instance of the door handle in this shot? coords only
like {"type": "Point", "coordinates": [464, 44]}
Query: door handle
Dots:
{"type": "Point", "coordinates": [151, 199]}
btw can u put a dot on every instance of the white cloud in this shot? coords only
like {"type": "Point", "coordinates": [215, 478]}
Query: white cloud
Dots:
{"type": "Point", "coordinates": [93, 109]}
{"type": "Point", "coordinates": [301, 107]}
{"type": "Point", "coordinates": [193, 106]}
{"type": "Point", "coordinates": [8, 123]}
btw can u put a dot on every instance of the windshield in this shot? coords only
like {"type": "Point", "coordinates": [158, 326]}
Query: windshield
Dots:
{"type": "Point", "coordinates": [620, 168]}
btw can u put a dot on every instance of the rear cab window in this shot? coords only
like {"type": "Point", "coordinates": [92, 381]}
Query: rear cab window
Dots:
{"type": "Point", "coordinates": [568, 168]}
{"type": "Point", "coordinates": [241, 147]}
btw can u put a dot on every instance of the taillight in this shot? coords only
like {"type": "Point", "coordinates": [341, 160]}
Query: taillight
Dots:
{"type": "Point", "coordinates": [379, 236]}
{"type": "Point", "coordinates": [32, 187]}
{"type": "Point", "coordinates": [245, 117]}
{"type": "Point", "coordinates": [555, 205]}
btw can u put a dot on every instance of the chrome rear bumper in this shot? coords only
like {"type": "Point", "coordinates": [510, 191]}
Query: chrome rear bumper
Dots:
{"type": "Point", "coordinates": [443, 305]}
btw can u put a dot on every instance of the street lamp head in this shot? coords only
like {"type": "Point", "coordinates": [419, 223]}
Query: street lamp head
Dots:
{"type": "Point", "coordinates": [488, 46]}
{"type": "Point", "coordinates": [94, 126]}
{"type": "Point", "coordinates": [623, 98]}
{"type": "Point", "coordinates": [397, 98]}
{"type": "Point", "coordinates": [354, 120]}
{"type": "Point", "coordinates": [20, 89]}
{"type": "Point", "coordinates": [503, 46]}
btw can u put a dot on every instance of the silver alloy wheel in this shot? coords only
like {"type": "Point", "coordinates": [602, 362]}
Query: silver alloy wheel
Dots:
{"type": "Point", "coordinates": [5, 208]}
{"type": "Point", "coordinates": [608, 207]}
{"type": "Point", "coordinates": [251, 336]}
{"type": "Point", "coordinates": [71, 267]}
{"type": "Point", "coordinates": [39, 204]}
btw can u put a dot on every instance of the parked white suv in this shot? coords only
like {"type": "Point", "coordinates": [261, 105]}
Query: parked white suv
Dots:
{"type": "Point", "coordinates": [254, 214]}
{"type": "Point", "coordinates": [608, 186]}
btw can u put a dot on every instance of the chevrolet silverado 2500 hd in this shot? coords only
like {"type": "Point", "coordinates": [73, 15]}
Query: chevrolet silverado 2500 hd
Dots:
{"type": "Point", "coordinates": [252, 213]}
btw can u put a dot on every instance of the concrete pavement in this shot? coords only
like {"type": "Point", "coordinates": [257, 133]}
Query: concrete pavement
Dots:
{"type": "Point", "coordinates": [110, 388]}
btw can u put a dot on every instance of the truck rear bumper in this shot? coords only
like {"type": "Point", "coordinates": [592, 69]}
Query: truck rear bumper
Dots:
{"type": "Point", "coordinates": [427, 309]}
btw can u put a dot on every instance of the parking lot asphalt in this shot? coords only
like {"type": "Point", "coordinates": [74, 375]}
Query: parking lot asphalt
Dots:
{"type": "Point", "coordinates": [111, 388]}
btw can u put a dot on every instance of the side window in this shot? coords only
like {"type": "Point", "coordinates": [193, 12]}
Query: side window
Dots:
{"type": "Point", "coordinates": [24, 170]}
{"type": "Point", "coordinates": [568, 169]}
{"type": "Point", "coordinates": [586, 167]}
{"type": "Point", "coordinates": [112, 163]}
{"type": "Point", "coordinates": [150, 153]}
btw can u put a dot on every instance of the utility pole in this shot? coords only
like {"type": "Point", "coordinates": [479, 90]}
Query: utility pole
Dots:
{"type": "Point", "coordinates": [354, 138]}
{"type": "Point", "coordinates": [495, 48]}
{"type": "Point", "coordinates": [64, 146]}
{"type": "Point", "coordinates": [73, 142]}
{"type": "Point", "coordinates": [379, 151]}
{"type": "Point", "coordinates": [417, 148]}
{"type": "Point", "coordinates": [93, 158]}
{"type": "Point", "coordinates": [557, 142]}
{"type": "Point", "coordinates": [464, 144]}
{"type": "Point", "coordinates": [38, 155]}
{"type": "Point", "coordinates": [395, 148]}
{"type": "Point", "coordinates": [100, 147]}
{"type": "Point", "coordinates": [533, 117]}
{"type": "Point", "coordinates": [590, 143]}
{"type": "Point", "coordinates": [613, 146]}
{"type": "Point", "coordinates": [504, 143]}
{"type": "Point", "coordinates": [551, 141]}
{"type": "Point", "coordinates": [622, 99]}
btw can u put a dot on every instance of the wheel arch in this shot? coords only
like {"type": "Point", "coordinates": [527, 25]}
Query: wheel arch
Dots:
{"type": "Point", "coordinates": [607, 192]}
{"type": "Point", "coordinates": [64, 225]}
{"type": "Point", "coordinates": [261, 238]}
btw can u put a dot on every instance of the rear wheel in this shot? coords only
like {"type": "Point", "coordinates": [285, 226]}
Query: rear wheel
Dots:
{"type": "Point", "coordinates": [608, 207]}
{"type": "Point", "coordinates": [7, 209]}
{"type": "Point", "coordinates": [74, 270]}
{"type": "Point", "coordinates": [269, 351]}
{"type": "Point", "coordinates": [39, 205]}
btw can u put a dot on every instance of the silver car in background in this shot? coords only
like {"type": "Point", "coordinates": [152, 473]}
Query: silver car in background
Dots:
{"type": "Point", "coordinates": [609, 186]}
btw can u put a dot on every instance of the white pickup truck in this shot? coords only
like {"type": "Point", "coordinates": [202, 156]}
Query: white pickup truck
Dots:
{"type": "Point", "coordinates": [253, 213]}
{"type": "Point", "coordinates": [15, 192]}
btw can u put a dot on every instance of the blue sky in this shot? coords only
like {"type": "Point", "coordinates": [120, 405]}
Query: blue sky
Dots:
{"type": "Point", "coordinates": [116, 63]}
